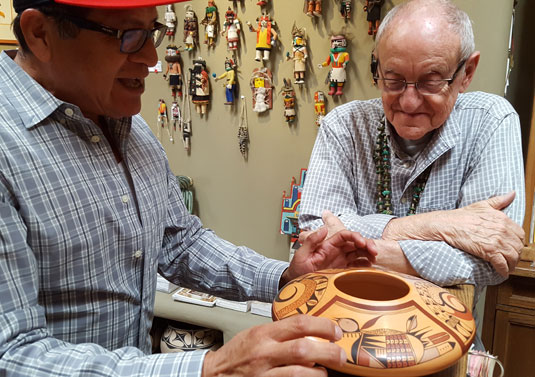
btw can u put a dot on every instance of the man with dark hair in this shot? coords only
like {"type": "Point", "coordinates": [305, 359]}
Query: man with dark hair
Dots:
{"type": "Point", "coordinates": [90, 211]}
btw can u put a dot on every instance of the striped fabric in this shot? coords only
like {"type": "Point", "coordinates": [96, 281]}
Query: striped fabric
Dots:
{"type": "Point", "coordinates": [82, 238]}
{"type": "Point", "coordinates": [476, 154]}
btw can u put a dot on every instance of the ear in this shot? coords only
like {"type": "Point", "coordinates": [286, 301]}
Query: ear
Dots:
{"type": "Point", "coordinates": [469, 70]}
{"type": "Point", "coordinates": [37, 29]}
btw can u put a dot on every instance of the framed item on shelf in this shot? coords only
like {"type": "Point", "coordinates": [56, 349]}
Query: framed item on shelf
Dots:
{"type": "Point", "coordinates": [7, 14]}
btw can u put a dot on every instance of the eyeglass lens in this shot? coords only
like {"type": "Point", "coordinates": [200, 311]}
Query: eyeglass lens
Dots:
{"type": "Point", "coordinates": [134, 40]}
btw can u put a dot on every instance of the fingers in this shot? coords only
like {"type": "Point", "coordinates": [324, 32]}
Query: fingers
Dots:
{"type": "Point", "coordinates": [297, 370]}
{"type": "Point", "coordinates": [332, 222]}
{"type": "Point", "coordinates": [299, 326]}
{"type": "Point", "coordinates": [501, 201]}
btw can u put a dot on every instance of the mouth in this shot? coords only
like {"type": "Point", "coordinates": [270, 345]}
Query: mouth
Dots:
{"type": "Point", "coordinates": [134, 83]}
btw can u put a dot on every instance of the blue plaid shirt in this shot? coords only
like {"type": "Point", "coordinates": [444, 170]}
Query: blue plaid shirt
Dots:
{"type": "Point", "coordinates": [81, 241]}
{"type": "Point", "coordinates": [475, 155]}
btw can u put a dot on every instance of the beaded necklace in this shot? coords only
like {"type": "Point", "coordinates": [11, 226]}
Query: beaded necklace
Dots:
{"type": "Point", "coordinates": [384, 184]}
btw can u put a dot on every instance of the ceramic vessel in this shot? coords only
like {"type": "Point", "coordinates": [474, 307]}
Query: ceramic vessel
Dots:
{"type": "Point", "coordinates": [175, 339]}
{"type": "Point", "coordinates": [393, 324]}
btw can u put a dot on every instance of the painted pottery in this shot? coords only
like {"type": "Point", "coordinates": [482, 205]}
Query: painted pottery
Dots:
{"type": "Point", "coordinates": [176, 339]}
{"type": "Point", "coordinates": [393, 324]}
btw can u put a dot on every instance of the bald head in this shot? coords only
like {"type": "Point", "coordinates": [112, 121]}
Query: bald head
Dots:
{"type": "Point", "coordinates": [431, 19]}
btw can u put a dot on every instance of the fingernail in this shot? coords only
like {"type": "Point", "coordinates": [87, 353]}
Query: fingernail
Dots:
{"type": "Point", "coordinates": [338, 332]}
{"type": "Point", "coordinates": [343, 357]}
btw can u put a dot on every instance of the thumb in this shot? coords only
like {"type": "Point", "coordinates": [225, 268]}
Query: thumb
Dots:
{"type": "Point", "coordinates": [501, 201]}
{"type": "Point", "coordinates": [332, 222]}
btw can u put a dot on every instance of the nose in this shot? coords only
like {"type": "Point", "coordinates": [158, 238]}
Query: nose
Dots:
{"type": "Point", "coordinates": [147, 54]}
{"type": "Point", "coordinates": [410, 99]}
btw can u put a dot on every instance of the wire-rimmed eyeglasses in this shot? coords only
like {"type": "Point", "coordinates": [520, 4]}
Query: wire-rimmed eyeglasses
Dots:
{"type": "Point", "coordinates": [424, 87]}
{"type": "Point", "coordinates": [132, 40]}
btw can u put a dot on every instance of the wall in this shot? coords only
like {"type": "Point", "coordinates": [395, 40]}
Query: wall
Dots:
{"type": "Point", "coordinates": [240, 199]}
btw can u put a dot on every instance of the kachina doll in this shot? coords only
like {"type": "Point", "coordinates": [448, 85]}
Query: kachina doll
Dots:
{"type": "Point", "coordinates": [373, 10]}
{"type": "Point", "coordinates": [199, 86]}
{"type": "Point", "coordinates": [210, 23]}
{"type": "Point", "coordinates": [319, 106]}
{"type": "Point", "coordinates": [191, 28]}
{"type": "Point", "coordinates": [313, 8]}
{"type": "Point", "coordinates": [173, 73]}
{"type": "Point", "coordinates": [175, 115]}
{"type": "Point", "coordinates": [345, 9]}
{"type": "Point", "coordinates": [162, 117]}
{"type": "Point", "coordinates": [338, 59]}
{"type": "Point", "coordinates": [266, 36]}
{"type": "Point", "coordinates": [231, 30]}
{"type": "Point", "coordinates": [230, 85]}
{"type": "Point", "coordinates": [170, 21]}
{"type": "Point", "coordinates": [289, 101]}
{"type": "Point", "coordinates": [299, 53]}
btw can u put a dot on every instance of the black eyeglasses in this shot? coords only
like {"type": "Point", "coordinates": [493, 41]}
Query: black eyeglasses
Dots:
{"type": "Point", "coordinates": [132, 40]}
{"type": "Point", "coordinates": [424, 87]}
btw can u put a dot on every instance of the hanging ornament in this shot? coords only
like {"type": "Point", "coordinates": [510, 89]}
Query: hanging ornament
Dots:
{"type": "Point", "coordinates": [170, 21]}
{"type": "Point", "coordinates": [338, 59]}
{"type": "Point", "coordinates": [191, 28]}
{"type": "Point", "coordinates": [211, 23]}
{"type": "Point", "coordinates": [288, 93]}
{"type": "Point", "coordinates": [231, 30]}
{"type": "Point", "coordinates": [373, 10]}
{"type": "Point", "coordinates": [173, 73]}
{"type": "Point", "coordinates": [319, 106]}
{"type": "Point", "coordinates": [199, 86]}
{"type": "Point", "coordinates": [243, 130]}
{"type": "Point", "coordinates": [266, 36]}
{"type": "Point", "coordinates": [185, 121]}
{"type": "Point", "coordinates": [299, 53]}
{"type": "Point", "coordinates": [230, 85]}
{"type": "Point", "coordinates": [262, 87]}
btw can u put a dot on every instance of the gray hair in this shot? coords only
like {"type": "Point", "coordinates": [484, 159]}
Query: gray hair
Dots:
{"type": "Point", "coordinates": [457, 19]}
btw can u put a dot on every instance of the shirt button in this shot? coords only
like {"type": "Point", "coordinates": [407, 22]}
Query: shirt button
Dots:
{"type": "Point", "coordinates": [69, 112]}
{"type": "Point", "coordinates": [406, 164]}
{"type": "Point", "coordinates": [403, 200]}
{"type": "Point", "coordinates": [138, 254]}
{"type": "Point", "coordinates": [125, 198]}
{"type": "Point", "coordinates": [95, 139]}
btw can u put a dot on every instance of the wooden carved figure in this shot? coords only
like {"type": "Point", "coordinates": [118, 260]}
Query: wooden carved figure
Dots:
{"type": "Point", "coordinates": [170, 21]}
{"type": "Point", "coordinates": [191, 28]}
{"type": "Point", "coordinates": [175, 115]}
{"type": "Point", "coordinates": [231, 30]}
{"type": "Point", "coordinates": [338, 59]}
{"type": "Point", "coordinates": [262, 88]}
{"type": "Point", "coordinates": [199, 86]}
{"type": "Point", "coordinates": [345, 9]}
{"type": "Point", "coordinates": [373, 10]}
{"type": "Point", "coordinates": [319, 106]}
{"type": "Point", "coordinates": [173, 72]}
{"type": "Point", "coordinates": [266, 36]}
{"type": "Point", "coordinates": [313, 8]}
{"type": "Point", "coordinates": [210, 23]}
{"type": "Point", "coordinates": [299, 54]}
{"type": "Point", "coordinates": [230, 85]}
{"type": "Point", "coordinates": [162, 117]}
{"type": "Point", "coordinates": [288, 93]}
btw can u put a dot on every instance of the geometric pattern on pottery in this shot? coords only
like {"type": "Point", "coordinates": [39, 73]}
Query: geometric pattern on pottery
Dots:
{"type": "Point", "coordinates": [421, 334]}
{"type": "Point", "coordinates": [184, 340]}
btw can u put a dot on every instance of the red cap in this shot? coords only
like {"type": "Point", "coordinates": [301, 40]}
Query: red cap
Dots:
{"type": "Point", "coordinates": [20, 5]}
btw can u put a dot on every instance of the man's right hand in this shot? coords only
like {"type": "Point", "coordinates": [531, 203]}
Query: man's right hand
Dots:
{"type": "Point", "coordinates": [279, 349]}
{"type": "Point", "coordinates": [481, 229]}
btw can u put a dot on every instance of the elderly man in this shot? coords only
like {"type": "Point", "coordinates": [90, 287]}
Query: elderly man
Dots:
{"type": "Point", "coordinates": [90, 211]}
{"type": "Point", "coordinates": [433, 174]}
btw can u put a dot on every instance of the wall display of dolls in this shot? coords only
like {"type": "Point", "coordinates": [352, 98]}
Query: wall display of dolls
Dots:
{"type": "Point", "coordinates": [230, 83]}
{"type": "Point", "coordinates": [266, 36]}
{"type": "Point", "coordinates": [338, 59]}
{"type": "Point", "coordinates": [231, 29]}
{"type": "Point", "coordinates": [211, 24]}
{"type": "Point", "coordinates": [173, 72]}
{"type": "Point", "coordinates": [199, 86]}
{"type": "Point", "coordinates": [191, 28]}
{"type": "Point", "coordinates": [299, 54]}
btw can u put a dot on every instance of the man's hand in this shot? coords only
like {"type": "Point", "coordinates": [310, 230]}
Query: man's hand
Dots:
{"type": "Point", "coordinates": [324, 248]}
{"type": "Point", "coordinates": [279, 349]}
{"type": "Point", "coordinates": [481, 229]}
